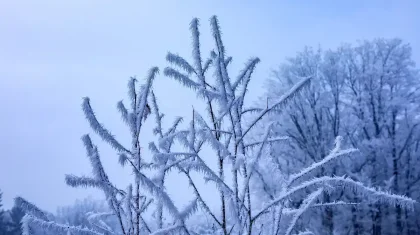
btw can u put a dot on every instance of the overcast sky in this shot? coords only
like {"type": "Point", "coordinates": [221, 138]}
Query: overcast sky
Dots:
{"type": "Point", "coordinates": [53, 53]}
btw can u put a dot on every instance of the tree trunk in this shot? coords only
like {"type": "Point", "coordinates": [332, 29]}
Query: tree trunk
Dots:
{"type": "Point", "coordinates": [327, 218]}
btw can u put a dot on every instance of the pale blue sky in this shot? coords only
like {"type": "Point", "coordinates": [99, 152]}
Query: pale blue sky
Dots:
{"type": "Point", "coordinates": [52, 53]}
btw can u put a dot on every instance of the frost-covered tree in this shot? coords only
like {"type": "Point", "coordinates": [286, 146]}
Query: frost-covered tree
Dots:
{"type": "Point", "coordinates": [312, 120]}
{"type": "Point", "coordinates": [383, 91]}
{"type": "Point", "coordinates": [16, 215]}
{"type": "Point", "coordinates": [383, 95]}
{"type": "Point", "coordinates": [3, 221]}
{"type": "Point", "coordinates": [226, 128]}
{"type": "Point", "coordinates": [369, 94]}
{"type": "Point", "coordinates": [75, 214]}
